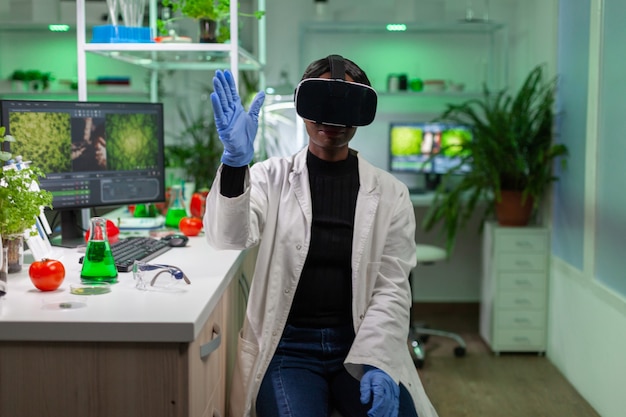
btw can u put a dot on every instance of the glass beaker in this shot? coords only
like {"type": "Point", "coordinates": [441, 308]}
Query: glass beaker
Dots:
{"type": "Point", "coordinates": [145, 210]}
{"type": "Point", "coordinates": [98, 262]}
{"type": "Point", "coordinates": [176, 209]}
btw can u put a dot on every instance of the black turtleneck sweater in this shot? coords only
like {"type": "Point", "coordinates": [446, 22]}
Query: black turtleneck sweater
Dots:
{"type": "Point", "coordinates": [324, 294]}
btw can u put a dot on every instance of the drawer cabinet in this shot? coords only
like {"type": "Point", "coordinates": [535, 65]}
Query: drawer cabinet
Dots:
{"type": "Point", "coordinates": [513, 310]}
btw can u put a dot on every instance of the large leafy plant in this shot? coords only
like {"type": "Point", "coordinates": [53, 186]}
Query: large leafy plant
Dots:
{"type": "Point", "coordinates": [20, 200]}
{"type": "Point", "coordinates": [512, 149]}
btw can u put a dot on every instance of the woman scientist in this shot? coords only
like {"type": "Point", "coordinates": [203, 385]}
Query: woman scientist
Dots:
{"type": "Point", "coordinates": [327, 318]}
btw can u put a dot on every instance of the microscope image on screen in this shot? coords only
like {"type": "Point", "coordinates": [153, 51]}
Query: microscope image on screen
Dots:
{"type": "Point", "coordinates": [89, 152]}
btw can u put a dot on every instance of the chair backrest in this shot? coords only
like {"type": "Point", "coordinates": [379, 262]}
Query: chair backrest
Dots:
{"type": "Point", "coordinates": [428, 254]}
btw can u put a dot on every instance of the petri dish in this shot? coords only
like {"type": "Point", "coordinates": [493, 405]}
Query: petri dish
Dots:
{"type": "Point", "coordinates": [63, 305]}
{"type": "Point", "coordinates": [90, 288]}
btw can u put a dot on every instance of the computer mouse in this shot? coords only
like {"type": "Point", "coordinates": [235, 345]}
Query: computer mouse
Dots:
{"type": "Point", "coordinates": [176, 240]}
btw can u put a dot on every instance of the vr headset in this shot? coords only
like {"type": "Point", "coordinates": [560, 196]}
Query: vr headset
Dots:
{"type": "Point", "coordinates": [336, 101]}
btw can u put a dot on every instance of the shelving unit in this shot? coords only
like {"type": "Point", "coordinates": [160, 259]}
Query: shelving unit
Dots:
{"type": "Point", "coordinates": [167, 56]}
{"type": "Point", "coordinates": [383, 52]}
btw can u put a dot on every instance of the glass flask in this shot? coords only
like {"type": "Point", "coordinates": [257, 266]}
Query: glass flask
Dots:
{"type": "Point", "coordinates": [98, 263]}
{"type": "Point", "coordinates": [145, 210]}
{"type": "Point", "coordinates": [176, 209]}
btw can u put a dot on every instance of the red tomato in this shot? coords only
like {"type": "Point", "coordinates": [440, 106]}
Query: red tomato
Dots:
{"type": "Point", "coordinates": [113, 232]}
{"type": "Point", "coordinates": [46, 274]}
{"type": "Point", "coordinates": [190, 226]}
{"type": "Point", "coordinates": [198, 203]}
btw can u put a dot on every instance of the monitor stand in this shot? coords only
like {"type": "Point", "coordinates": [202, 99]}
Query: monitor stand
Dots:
{"type": "Point", "coordinates": [432, 181]}
{"type": "Point", "coordinates": [74, 223]}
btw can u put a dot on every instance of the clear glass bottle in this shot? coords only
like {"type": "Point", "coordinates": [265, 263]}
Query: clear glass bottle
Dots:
{"type": "Point", "coordinates": [176, 209]}
{"type": "Point", "coordinates": [98, 263]}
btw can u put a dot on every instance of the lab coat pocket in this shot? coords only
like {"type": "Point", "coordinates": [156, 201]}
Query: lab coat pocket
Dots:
{"type": "Point", "coordinates": [247, 353]}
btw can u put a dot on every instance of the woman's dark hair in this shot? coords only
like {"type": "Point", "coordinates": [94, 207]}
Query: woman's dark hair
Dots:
{"type": "Point", "coordinates": [321, 66]}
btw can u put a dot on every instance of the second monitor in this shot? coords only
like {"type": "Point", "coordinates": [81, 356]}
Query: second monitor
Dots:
{"type": "Point", "coordinates": [429, 148]}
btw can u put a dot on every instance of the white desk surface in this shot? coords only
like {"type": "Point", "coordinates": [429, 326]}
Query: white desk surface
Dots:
{"type": "Point", "coordinates": [126, 314]}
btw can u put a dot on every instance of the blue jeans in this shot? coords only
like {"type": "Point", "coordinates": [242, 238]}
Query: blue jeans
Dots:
{"type": "Point", "coordinates": [306, 377]}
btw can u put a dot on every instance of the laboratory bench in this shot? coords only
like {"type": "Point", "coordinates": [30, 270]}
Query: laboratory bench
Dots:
{"type": "Point", "coordinates": [128, 352]}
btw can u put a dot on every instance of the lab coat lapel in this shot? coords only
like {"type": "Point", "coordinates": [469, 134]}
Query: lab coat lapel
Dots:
{"type": "Point", "coordinates": [299, 180]}
{"type": "Point", "coordinates": [366, 207]}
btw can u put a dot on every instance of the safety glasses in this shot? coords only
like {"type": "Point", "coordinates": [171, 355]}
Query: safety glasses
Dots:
{"type": "Point", "coordinates": [157, 276]}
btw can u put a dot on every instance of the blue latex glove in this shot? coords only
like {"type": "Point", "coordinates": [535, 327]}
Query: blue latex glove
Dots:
{"type": "Point", "coordinates": [236, 128]}
{"type": "Point", "coordinates": [385, 392]}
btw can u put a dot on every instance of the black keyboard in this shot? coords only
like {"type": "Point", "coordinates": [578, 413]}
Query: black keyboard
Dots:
{"type": "Point", "coordinates": [128, 250]}
{"type": "Point", "coordinates": [137, 248]}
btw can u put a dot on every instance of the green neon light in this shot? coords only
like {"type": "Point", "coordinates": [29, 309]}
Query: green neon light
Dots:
{"type": "Point", "coordinates": [58, 28]}
{"type": "Point", "coordinates": [396, 27]}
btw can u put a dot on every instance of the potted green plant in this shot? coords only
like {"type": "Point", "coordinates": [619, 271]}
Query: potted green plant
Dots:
{"type": "Point", "coordinates": [512, 154]}
{"type": "Point", "coordinates": [213, 16]}
{"type": "Point", "coordinates": [21, 202]}
{"type": "Point", "coordinates": [197, 149]}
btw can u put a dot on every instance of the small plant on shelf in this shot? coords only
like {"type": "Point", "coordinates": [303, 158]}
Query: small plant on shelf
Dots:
{"type": "Point", "coordinates": [213, 10]}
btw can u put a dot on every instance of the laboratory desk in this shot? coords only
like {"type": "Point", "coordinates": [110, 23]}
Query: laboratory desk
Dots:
{"type": "Point", "coordinates": [127, 353]}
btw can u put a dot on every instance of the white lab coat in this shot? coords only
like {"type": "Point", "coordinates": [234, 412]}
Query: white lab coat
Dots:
{"type": "Point", "coordinates": [275, 212]}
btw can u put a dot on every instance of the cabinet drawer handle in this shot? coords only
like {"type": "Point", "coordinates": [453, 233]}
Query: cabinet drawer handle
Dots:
{"type": "Point", "coordinates": [210, 347]}
{"type": "Point", "coordinates": [521, 339]}
{"type": "Point", "coordinates": [521, 320]}
{"type": "Point", "coordinates": [522, 301]}
{"type": "Point", "coordinates": [523, 244]}
{"type": "Point", "coordinates": [523, 263]}
{"type": "Point", "coordinates": [522, 282]}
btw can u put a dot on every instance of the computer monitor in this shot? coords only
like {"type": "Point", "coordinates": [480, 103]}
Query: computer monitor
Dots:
{"type": "Point", "coordinates": [92, 154]}
{"type": "Point", "coordinates": [428, 148]}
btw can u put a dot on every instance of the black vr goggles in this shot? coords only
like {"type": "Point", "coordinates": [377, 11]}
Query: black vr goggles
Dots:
{"type": "Point", "coordinates": [336, 101]}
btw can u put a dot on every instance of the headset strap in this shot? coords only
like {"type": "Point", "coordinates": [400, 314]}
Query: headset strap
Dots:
{"type": "Point", "coordinates": [337, 67]}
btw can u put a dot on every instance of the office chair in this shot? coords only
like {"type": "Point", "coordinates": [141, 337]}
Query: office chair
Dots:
{"type": "Point", "coordinates": [419, 332]}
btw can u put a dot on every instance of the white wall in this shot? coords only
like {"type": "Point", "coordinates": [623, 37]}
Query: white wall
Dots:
{"type": "Point", "coordinates": [586, 339]}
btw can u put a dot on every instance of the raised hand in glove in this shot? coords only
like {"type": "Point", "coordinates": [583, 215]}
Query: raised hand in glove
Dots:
{"type": "Point", "coordinates": [378, 386]}
{"type": "Point", "coordinates": [236, 128]}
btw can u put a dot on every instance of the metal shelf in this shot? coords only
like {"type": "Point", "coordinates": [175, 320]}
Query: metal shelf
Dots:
{"type": "Point", "coordinates": [166, 56]}
{"type": "Point", "coordinates": [460, 26]}
{"type": "Point", "coordinates": [187, 56]}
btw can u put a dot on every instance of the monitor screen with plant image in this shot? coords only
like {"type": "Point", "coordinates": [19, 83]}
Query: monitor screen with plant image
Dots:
{"type": "Point", "coordinates": [431, 149]}
{"type": "Point", "coordinates": [93, 154]}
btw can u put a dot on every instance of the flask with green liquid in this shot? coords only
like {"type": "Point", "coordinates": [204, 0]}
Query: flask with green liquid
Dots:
{"type": "Point", "coordinates": [176, 209]}
{"type": "Point", "coordinates": [98, 262]}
